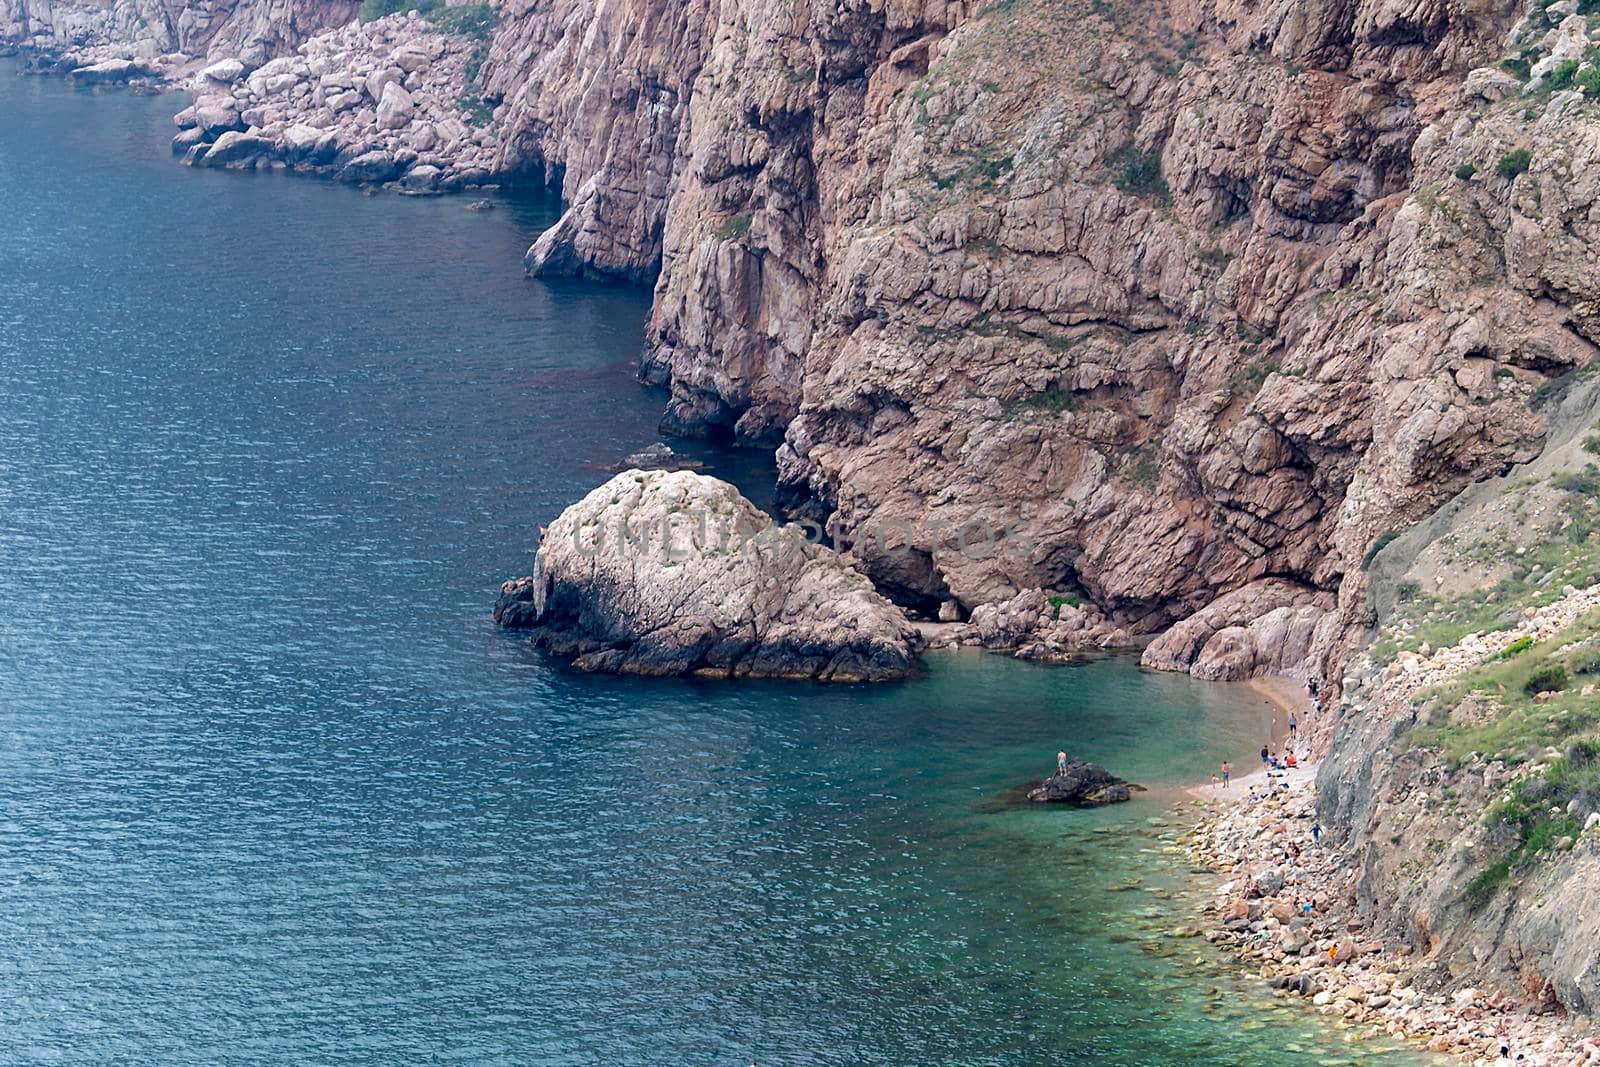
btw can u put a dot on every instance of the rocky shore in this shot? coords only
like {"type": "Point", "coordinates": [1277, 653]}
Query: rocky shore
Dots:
{"type": "Point", "coordinates": [389, 101]}
{"type": "Point", "coordinates": [369, 103]}
{"type": "Point", "coordinates": [1273, 868]}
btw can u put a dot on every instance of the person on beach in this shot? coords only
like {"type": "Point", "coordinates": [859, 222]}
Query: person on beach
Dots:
{"type": "Point", "coordinates": [1294, 724]}
{"type": "Point", "coordinates": [1316, 833]}
{"type": "Point", "coordinates": [1227, 772]}
{"type": "Point", "coordinates": [1253, 796]}
{"type": "Point", "coordinates": [1264, 754]}
{"type": "Point", "coordinates": [1061, 763]}
{"type": "Point", "coordinates": [1288, 759]}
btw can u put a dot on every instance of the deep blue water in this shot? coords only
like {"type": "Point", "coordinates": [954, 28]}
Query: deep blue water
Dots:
{"type": "Point", "coordinates": [272, 789]}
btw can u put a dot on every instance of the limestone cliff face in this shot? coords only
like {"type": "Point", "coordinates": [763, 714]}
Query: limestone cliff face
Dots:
{"type": "Point", "coordinates": [1168, 299]}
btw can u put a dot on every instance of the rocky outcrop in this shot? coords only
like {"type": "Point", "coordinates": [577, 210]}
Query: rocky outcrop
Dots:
{"type": "Point", "coordinates": [1269, 627]}
{"type": "Point", "coordinates": [171, 37]}
{"type": "Point", "coordinates": [367, 103]}
{"type": "Point", "coordinates": [1083, 785]}
{"type": "Point", "coordinates": [675, 573]}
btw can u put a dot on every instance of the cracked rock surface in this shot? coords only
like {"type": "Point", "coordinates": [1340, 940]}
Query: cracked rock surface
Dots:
{"type": "Point", "coordinates": [675, 573]}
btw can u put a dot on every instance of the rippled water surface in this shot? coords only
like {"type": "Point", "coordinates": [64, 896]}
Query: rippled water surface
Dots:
{"type": "Point", "coordinates": [273, 791]}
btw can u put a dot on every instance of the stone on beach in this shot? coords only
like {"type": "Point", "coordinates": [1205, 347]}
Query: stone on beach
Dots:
{"type": "Point", "coordinates": [395, 108]}
{"type": "Point", "coordinates": [110, 70]}
{"type": "Point", "coordinates": [235, 149]}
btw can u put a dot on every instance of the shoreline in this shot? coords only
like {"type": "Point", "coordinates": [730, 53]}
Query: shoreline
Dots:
{"type": "Point", "coordinates": [391, 103]}
{"type": "Point", "coordinates": [1265, 867]}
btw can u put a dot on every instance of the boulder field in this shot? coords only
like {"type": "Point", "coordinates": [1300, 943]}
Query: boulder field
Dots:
{"type": "Point", "coordinates": [368, 103]}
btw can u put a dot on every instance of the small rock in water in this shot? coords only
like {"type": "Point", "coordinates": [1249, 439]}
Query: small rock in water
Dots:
{"type": "Point", "coordinates": [481, 205]}
{"type": "Point", "coordinates": [1084, 784]}
{"type": "Point", "coordinates": [658, 456]}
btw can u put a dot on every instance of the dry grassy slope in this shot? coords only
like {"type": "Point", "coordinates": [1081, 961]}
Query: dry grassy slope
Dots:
{"type": "Point", "coordinates": [1464, 771]}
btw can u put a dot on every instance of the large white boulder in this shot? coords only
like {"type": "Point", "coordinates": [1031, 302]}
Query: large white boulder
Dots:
{"type": "Point", "coordinates": [226, 71]}
{"type": "Point", "coordinates": [672, 572]}
{"type": "Point", "coordinates": [395, 108]}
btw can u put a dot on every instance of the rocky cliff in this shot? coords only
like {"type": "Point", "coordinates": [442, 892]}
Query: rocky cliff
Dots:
{"type": "Point", "coordinates": [1154, 304]}
{"type": "Point", "coordinates": [1465, 776]}
{"type": "Point", "coordinates": [1169, 311]}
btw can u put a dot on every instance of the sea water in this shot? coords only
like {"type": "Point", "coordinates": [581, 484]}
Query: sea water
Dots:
{"type": "Point", "coordinates": [274, 791]}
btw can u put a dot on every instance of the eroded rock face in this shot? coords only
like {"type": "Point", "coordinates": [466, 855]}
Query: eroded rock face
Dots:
{"type": "Point", "coordinates": [674, 573]}
{"type": "Point", "coordinates": [1180, 300]}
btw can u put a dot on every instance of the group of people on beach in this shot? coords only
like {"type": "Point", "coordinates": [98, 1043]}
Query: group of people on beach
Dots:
{"type": "Point", "coordinates": [1270, 761]}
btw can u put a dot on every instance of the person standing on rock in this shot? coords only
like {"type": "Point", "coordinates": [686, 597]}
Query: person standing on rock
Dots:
{"type": "Point", "coordinates": [1227, 772]}
{"type": "Point", "coordinates": [1294, 724]}
{"type": "Point", "coordinates": [1061, 763]}
{"type": "Point", "coordinates": [1266, 754]}
{"type": "Point", "coordinates": [1316, 833]}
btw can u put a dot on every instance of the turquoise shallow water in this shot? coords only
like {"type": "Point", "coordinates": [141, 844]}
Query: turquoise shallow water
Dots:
{"type": "Point", "coordinates": [273, 791]}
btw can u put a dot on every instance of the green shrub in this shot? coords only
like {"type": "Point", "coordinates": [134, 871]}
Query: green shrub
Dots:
{"type": "Point", "coordinates": [1588, 80]}
{"type": "Point", "coordinates": [1408, 591]}
{"type": "Point", "coordinates": [1139, 174]}
{"type": "Point", "coordinates": [1383, 542]}
{"type": "Point", "coordinates": [1515, 648]}
{"type": "Point", "coordinates": [1482, 887]}
{"type": "Point", "coordinates": [1059, 602]}
{"type": "Point", "coordinates": [1561, 77]}
{"type": "Point", "coordinates": [1548, 679]}
{"type": "Point", "coordinates": [1513, 163]}
{"type": "Point", "coordinates": [1517, 66]}
{"type": "Point", "coordinates": [377, 9]}
{"type": "Point", "coordinates": [469, 20]}
{"type": "Point", "coordinates": [1585, 482]}
{"type": "Point", "coordinates": [1465, 172]}
{"type": "Point", "coordinates": [1585, 661]}
{"type": "Point", "coordinates": [736, 227]}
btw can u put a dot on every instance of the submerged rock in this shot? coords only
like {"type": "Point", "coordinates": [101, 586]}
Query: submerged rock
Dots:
{"type": "Point", "coordinates": [109, 71]}
{"type": "Point", "coordinates": [658, 456]}
{"type": "Point", "coordinates": [1084, 784]}
{"type": "Point", "coordinates": [675, 573]}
